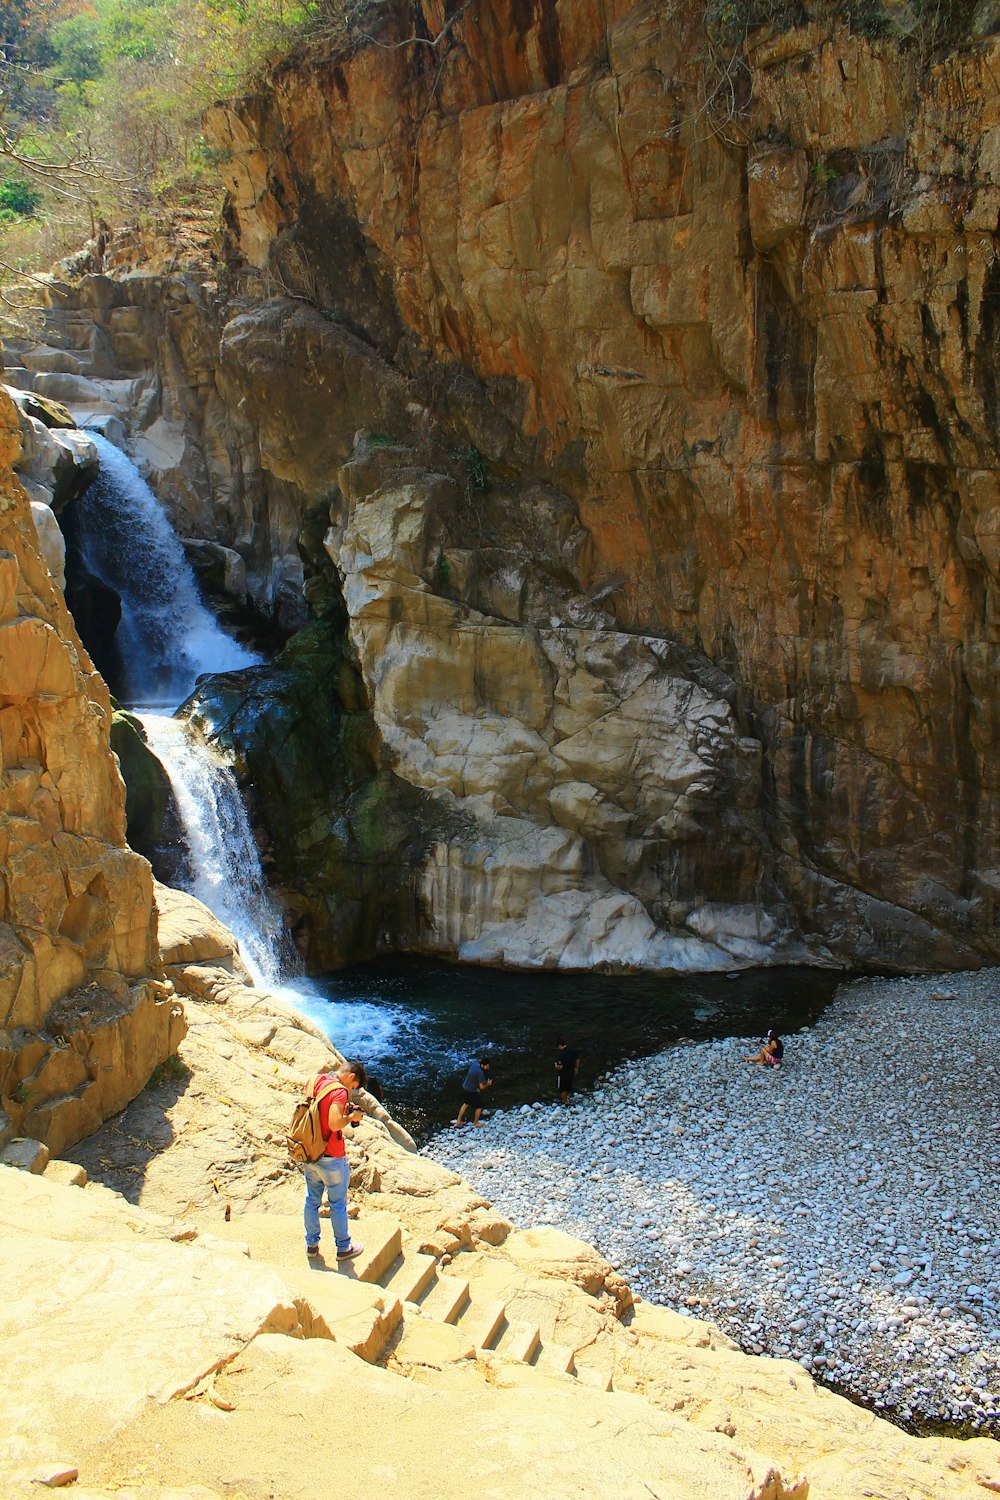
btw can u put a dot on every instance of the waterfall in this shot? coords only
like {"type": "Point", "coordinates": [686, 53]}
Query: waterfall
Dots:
{"type": "Point", "coordinates": [167, 637]}
{"type": "Point", "coordinates": [225, 864]}
{"type": "Point", "coordinates": [228, 878]}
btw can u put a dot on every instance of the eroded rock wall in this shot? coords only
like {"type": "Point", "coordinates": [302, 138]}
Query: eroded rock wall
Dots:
{"type": "Point", "coordinates": [758, 352]}
{"type": "Point", "coordinates": [83, 1021]}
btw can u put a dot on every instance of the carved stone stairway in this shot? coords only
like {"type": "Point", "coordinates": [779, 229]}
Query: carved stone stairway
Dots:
{"type": "Point", "coordinates": [398, 1303]}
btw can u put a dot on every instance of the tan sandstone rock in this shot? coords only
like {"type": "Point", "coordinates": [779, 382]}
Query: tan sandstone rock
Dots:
{"type": "Point", "coordinates": [82, 1022]}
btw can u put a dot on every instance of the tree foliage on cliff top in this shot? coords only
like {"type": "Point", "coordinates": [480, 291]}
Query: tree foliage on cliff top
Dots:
{"type": "Point", "coordinates": [124, 84]}
{"type": "Point", "coordinates": [932, 26]}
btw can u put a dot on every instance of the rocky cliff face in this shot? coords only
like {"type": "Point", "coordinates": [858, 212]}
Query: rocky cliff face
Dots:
{"type": "Point", "coordinates": [761, 358]}
{"type": "Point", "coordinates": [82, 1020]}
{"type": "Point", "coordinates": [682, 593]}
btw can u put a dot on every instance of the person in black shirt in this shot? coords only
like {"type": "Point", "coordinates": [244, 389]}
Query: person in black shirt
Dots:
{"type": "Point", "coordinates": [771, 1052]}
{"type": "Point", "coordinates": [567, 1064]}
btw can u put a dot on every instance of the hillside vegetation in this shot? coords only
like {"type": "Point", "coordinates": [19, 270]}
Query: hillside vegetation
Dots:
{"type": "Point", "coordinates": [101, 105]}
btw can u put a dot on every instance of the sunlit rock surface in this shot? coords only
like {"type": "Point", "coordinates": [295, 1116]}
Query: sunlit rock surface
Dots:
{"type": "Point", "coordinates": [82, 1019]}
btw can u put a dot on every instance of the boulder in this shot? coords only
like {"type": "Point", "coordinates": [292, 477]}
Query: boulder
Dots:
{"type": "Point", "coordinates": [25, 1155]}
{"type": "Point", "coordinates": [547, 1252]}
{"type": "Point", "coordinates": [51, 542]}
{"type": "Point", "coordinates": [190, 934]}
{"type": "Point", "coordinates": [152, 821]}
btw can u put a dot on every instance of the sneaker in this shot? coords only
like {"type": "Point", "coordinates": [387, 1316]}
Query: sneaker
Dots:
{"type": "Point", "coordinates": [312, 1250]}
{"type": "Point", "coordinates": [352, 1250]}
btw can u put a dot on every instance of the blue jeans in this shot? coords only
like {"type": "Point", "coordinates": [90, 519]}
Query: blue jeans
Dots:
{"type": "Point", "coordinates": [330, 1174]}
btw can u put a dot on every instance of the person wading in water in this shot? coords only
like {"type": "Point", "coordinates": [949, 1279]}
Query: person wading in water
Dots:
{"type": "Point", "coordinates": [567, 1067]}
{"type": "Point", "coordinates": [475, 1085]}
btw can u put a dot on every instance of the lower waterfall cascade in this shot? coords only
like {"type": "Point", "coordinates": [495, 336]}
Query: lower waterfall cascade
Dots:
{"type": "Point", "coordinates": [225, 864]}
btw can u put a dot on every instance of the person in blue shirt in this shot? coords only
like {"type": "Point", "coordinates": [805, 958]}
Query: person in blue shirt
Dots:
{"type": "Point", "coordinates": [475, 1085]}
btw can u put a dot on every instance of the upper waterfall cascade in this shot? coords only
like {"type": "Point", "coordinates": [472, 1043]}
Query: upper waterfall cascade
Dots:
{"type": "Point", "coordinates": [167, 636]}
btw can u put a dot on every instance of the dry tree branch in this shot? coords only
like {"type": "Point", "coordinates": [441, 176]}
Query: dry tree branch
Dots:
{"type": "Point", "coordinates": [68, 176]}
{"type": "Point", "coordinates": [344, 28]}
{"type": "Point", "coordinates": [423, 41]}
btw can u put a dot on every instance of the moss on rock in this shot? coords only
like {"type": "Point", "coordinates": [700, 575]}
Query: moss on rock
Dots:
{"type": "Point", "coordinates": [151, 818]}
{"type": "Point", "coordinates": [344, 837]}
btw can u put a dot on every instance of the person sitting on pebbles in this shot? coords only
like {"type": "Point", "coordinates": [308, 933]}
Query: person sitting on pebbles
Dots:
{"type": "Point", "coordinates": [771, 1053]}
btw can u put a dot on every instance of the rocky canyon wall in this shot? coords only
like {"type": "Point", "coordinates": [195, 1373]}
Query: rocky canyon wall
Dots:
{"type": "Point", "coordinates": [667, 553]}
{"type": "Point", "coordinates": [83, 1020]}
{"type": "Point", "coordinates": [759, 353]}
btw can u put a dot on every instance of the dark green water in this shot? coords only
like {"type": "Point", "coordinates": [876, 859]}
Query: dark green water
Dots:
{"type": "Point", "coordinates": [417, 1023]}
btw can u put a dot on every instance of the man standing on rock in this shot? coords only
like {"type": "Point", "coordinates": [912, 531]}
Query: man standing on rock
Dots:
{"type": "Point", "coordinates": [475, 1085]}
{"type": "Point", "coordinates": [331, 1172]}
{"type": "Point", "coordinates": [567, 1066]}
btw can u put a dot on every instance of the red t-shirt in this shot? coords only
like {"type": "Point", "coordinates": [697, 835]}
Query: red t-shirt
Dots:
{"type": "Point", "coordinates": [338, 1095]}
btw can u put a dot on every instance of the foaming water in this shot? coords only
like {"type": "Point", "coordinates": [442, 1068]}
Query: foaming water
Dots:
{"type": "Point", "coordinates": [167, 637]}
{"type": "Point", "coordinates": [358, 1028]}
{"type": "Point", "coordinates": [227, 876]}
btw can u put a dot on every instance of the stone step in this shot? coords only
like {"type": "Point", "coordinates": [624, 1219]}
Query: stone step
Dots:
{"type": "Point", "coordinates": [357, 1314]}
{"type": "Point", "coordinates": [409, 1276]}
{"type": "Point", "coordinates": [597, 1379]}
{"type": "Point", "coordinates": [434, 1346]}
{"type": "Point", "coordinates": [483, 1322]}
{"type": "Point", "coordinates": [446, 1300]}
{"type": "Point", "coordinates": [556, 1359]}
{"type": "Point", "coordinates": [278, 1240]}
{"type": "Point", "coordinates": [44, 360]}
{"type": "Point", "coordinates": [519, 1343]}
{"type": "Point", "coordinates": [383, 1242]}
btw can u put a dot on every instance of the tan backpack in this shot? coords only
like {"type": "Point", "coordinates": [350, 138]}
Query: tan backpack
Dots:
{"type": "Point", "coordinates": [306, 1141]}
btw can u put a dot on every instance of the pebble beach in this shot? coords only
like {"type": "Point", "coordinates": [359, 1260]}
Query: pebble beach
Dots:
{"type": "Point", "coordinates": [843, 1211]}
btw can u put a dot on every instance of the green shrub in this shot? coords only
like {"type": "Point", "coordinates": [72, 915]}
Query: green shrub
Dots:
{"type": "Point", "coordinates": [19, 197]}
{"type": "Point", "coordinates": [477, 469]}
